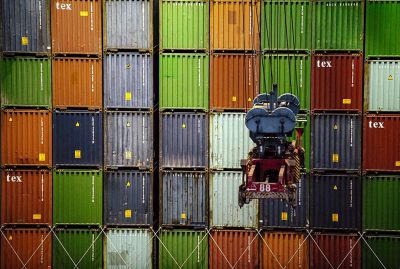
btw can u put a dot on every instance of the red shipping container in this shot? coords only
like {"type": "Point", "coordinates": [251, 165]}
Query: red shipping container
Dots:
{"type": "Point", "coordinates": [381, 151]}
{"type": "Point", "coordinates": [336, 82]}
{"type": "Point", "coordinates": [26, 197]}
{"type": "Point", "coordinates": [33, 247]}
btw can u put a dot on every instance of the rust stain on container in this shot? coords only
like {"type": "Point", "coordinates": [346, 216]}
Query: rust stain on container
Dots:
{"type": "Point", "coordinates": [26, 197]}
{"type": "Point", "coordinates": [336, 82]}
{"type": "Point", "coordinates": [26, 137]}
{"type": "Point", "coordinates": [76, 26]}
{"type": "Point", "coordinates": [233, 248]}
{"type": "Point", "coordinates": [284, 250]}
{"type": "Point", "coordinates": [234, 80]}
{"type": "Point", "coordinates": [77, 82]}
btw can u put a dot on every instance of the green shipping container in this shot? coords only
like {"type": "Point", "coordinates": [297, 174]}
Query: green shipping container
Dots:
{"type": "Point", "coordinates": [183, 249]}
{"type": "Point", "coordinates": [381, 203]}
{"type": "Point", "coordinates": [291, 72]}
{"type": "Point", "coordinates": [184, 25]}
{"type": "Point", "coordinates": [382, 28]}
{"type": "Point", "coordinates": [25, 82]}
{"type": "Point", "coordinates": [77, 197]}
{"type": "Point", "coordinates": [303, 121]}
{"type": "Point", "coordinates": [386, 248]}
{"type": "Point", "coordinates": [338, 25]}
{"type": "Point", "coordinates": [73, 248]}
{"type": "Point", "coordinates": [184, 81]}
{"type": "Point", "coordinates": [286, 25]}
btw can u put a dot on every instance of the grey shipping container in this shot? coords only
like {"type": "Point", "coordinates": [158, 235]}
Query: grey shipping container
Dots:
{"type": "Point", "coordinates": [26, 26]}
{"type": "Point", "coordinates": [335, 202]}
{"type": "Point", "coordinates": [183, 200]}
{"type": "Point", "coordinates": [336, 142]}
{"type": "Point", "coordinates": [128, 79]}
{"type": "Point", "coordinates": [184, 139]}
{"type": "Point", "coordinates": [129, 248]}
{"type": "Point", "coordinates": [279, 214]}
{"type": "Point", "coordinates": [78, 138]}
{"type": "Point", "coordinates": [129, 139]}
{"type": "Point", "coordinates": [128, 198]}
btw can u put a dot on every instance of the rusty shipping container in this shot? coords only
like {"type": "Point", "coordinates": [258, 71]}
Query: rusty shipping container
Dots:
{"type": "Point", "coordinates": [234, 248]}
{"type": "Point", "coordinates": [26, 137]}
{"type": "Point", "coordinates": [284, 250]}
{"type": "Point", "coordinates": [234, 81]}
{"type": "Point", "coordinates": [336, 82]}
{"type": "Point", "coordinates": [336, 251]}
{"type": "Point", "coordinates": [26, 197]}
{"type": "Point", "coordinates": [33, 247]}
{"type": "Point", "coordinates": [77, 83]}
{"type": "Point", "coordinates": [76, 27]}
{"type": "Point", "coordinates": [234, 25]}
{"type": "Point", "coordinates": [381, 144]}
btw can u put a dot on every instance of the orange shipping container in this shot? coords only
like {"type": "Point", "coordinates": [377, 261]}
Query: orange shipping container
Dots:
{"type": "Point", "coordinates": [26, 137]}
{"type": "Point", "coordinates": [76, 26]}
{"type": "Point", "coordinates": [234, 25]}
{"type": "Point", "coordinates": [234, 81]}
{"type": "Point", "coordinates": [77, 83]}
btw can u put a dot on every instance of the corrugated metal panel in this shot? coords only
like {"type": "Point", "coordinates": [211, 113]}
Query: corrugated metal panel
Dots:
{"type": "Point", "coordinates": [77, 82]}
{"type": "Point", "coordinates": [70, 246]}
{"type": "Point", "coordinates": [278, 213]}
{"type": "Point", "coordinates": [183, 249]}
{"type": "Point", "coordinates": [381, 28]}
{"type": "Point", "coordinates": [224, 207]}
{"type": "Point", "coordinates": [129, 248]}
{"type": "Point", "coordinates": [69, 16]}
{"type": "Point", "coordinates": [183, 198]}
{"type": "Point", "coordinates": [385, 247]}
{"type": "Point", "coordinates": [336, 250]}
{"type": "Point", "coordinates": [26, 26]}
{"type": "Point", "coordinates": [26, 197]}
{"type": "Point", "coordinates": [25, 82]}
{"type": "Point", "coordinates": [303, 121]}
{"type": "Point", "coordinates": [234, 25]}
{"type": "Point", "coordinates": [128, 79]}
{"type": "Point", "coordinates": [335, 202]}
{"type": "Point", "coordinates": [234, 80]}
{"type": "Point", "coordinates": [292, 74]}
{"type": "Point", "coordinates": [229, 140]}
{"type": "Point", "coordinates": [381, 201]}
{"type": "Point", "coordinates": [26, 137]}
{"type": "Point", "coordinates": [286, 25]}
{"type": "Point", "coordinates": [184, 80]}
{"type": "Point", "coordinates": [33, 247]}
{"type": "Point", "coordinates": [382, 85]}
{"type": "Point", "coordinates": [128, 198]}
{"type": "Point", "coordinates": [128, 24]}
{"type": "Point", "coordinates": [338, 25]}
{"type": "Point", "coordinates": [284, 250]}
{"type": "Point", "coordinates": [381, 150]}
{"type": "Point", "coordinates": [184, 24]}
{"type": "Point", "coordinates": [337, 82]}
{"type": "Point", "coordinates": [78, 138]}
{"type": "Point", "coordinates": [234, 248]}
{"type": "Point", "coordinates": [129, 139]}
{"type": "Point", "coordinates": [184, 140]}
{"type": "Point", "coordinates": [336, 142]}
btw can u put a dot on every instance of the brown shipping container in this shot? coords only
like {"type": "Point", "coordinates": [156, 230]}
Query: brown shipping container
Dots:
{"type": "Point", "coordinates": [234, 25]}
{"type": "Point", "coordinates": [336, 82]}
{"type": "Point", "coordinates": [284, 250]}
{"type": "Point", "coordinates": [26, 197]}
{"type": "Point", "coordinates": [76, 26]}
{"type": "Point", "coordinates": [77, 82]}
{"type": "Point", "coordinates": [236, 249]}
{"type": "Point", "coordinates": [33, 247]}
{"type": "Point", "coordinates": [339, 250]}
{"type": "Point", "coordinates": [26, 137]}
{"type": "Point", "coordinates": [234, 81]}
{"type": "Point", "coordinates": [381, 143]}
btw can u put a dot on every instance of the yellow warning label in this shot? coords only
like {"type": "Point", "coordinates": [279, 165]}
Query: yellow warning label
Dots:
{"type": "Point", "coordinates": [128, 155]}
{"type": "Point", "coordinates": [25, 41]}
{"type": "Point", "coordinates": [10, 119]}
{"type": "Point", "coordinates": [397, 163]}
{"type": "Point", "coordinates": [284, 216]}
{"type": "Point", "coordinates": [390, 77]}
{"type": "Point", "coordinates": [335, 188]}
{"type": "Point", "coordinates": [128, 66]}
{"type": "Point", "coordinates": [84, 13]}
{"type": "Point", "coordinates": [183, 216]}
{"type": "Point", "coordinates": [335, 158]}
{"type": "Point", "coordinates": [346, 101]}
{"type": "Point", "coordinates": [77, 124]}
{"type": "Point", "coordinates": [37, 216]}
{"type": "Point", "coordinates": [128, 124]}
{"type": "Point", "coordinates": [10, 238]}
{"type": "Point", "coordinates": [77, 154]}
{"type": "Point", "coordinates": [128, 184]}
{"type": "Point", "coordinates": [233, 98]}
{"type": "Point", "coordinates": [128, 96]}
{"type": "Point", "coordinates": [335, 127]}
{"type": "Point", "coordinates": [183, 126]}
{"type": "Point", "coordinates": [335, 217]}
{"type": "Point", "coordinates": [128, 213]}
{"type": "Point", "coordinates": [249, 99]}
{"type": "Point", "coordinates": [42, 157]}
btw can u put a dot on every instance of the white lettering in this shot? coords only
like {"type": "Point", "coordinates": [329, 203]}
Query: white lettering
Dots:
{"type": "Point", "coordinates": [376, 125]}
{"type": "Point", "coordinates": [17, 179]}
{"type": "Point", "coordinates": [63, 6]}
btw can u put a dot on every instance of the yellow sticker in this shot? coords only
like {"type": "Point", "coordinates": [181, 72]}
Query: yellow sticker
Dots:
{"type": "Point", "coordinates": [128, 155]}
{"type": "Point", "coordinates": [284, 216]}
{"type": "Point", "coordinates": [77, 124]}
{"type": "Point", "coordinates": [128, 213]}
{"type": "Point", "coordinates": [42, 157]}
{"type": "Point", "coordinates": [128, 184]}
{"type": "Point", "coordinates": [233, 98]}
{"type": "Point", "coordinates": [335, 188]}
{"type": "Point", "coordinates": [77, 154]}
{"type": "Point", "coordinates": [128, 96]}
{"type": "Point", "coordinates": [249, 99]}
{"type": "Point", "coordinates": [335, 127]}
{"type": "Point", "coordinates": [335, 158]}
{"type": "Point", "coordinates": [25, 41]}
{"type": "Point", "coordinates": [10, 119]}
{"type": "Point", "coordinates": [183, 216]}
{"type": "Point", "coordinates": [335, 217]}
{"type": "Point", "coordinates": [10, 238]}
{"type": "Point", "coordinates": [37, 216]}
{"type": "Point", "coordinates": [84, 13]}
{"type": "Point", "coordinates": [128, 124]}
{"type": "Point", "coordinates": [346, 101]}
{"type": "Point", "coordinates": [397, 163]}
{"type": "Point", "coordinates": [183, 126]}
{"type": "Point", "coordinates": [128, 66]}
{"type": "Point", "coordinates": [390, 77]}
